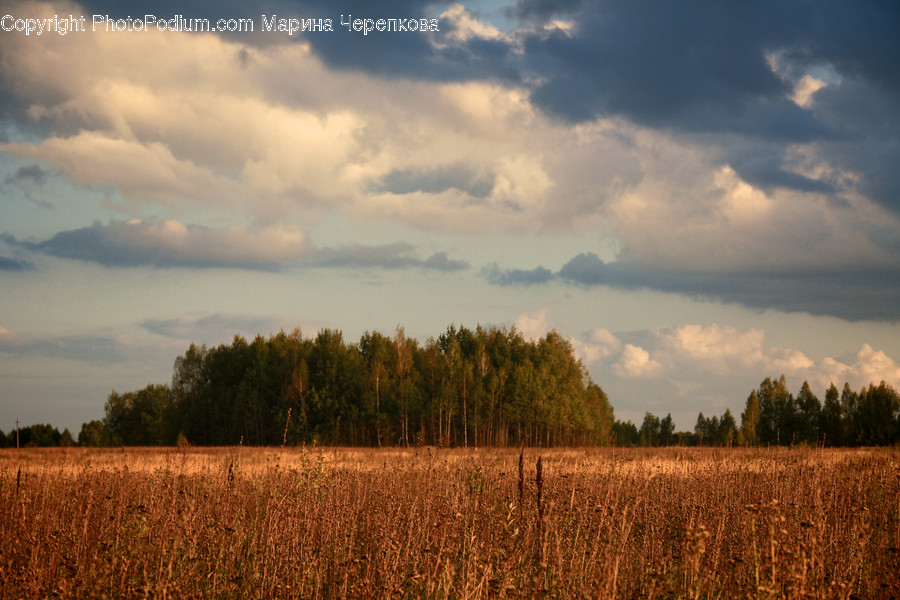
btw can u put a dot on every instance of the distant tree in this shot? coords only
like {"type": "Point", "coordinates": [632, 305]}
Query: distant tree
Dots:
{"type": "Point", "coordinates": [750, 420]}
{"type": "Point", "coordinates": [142, 418]}
{"type": "Point", "coordinates": [809, 415]}
{"type": "Point", "coordinates": [667, 431]}
{"type": "Point", "coordinates": [65, 438]}
{"type": "Point", "coordinates": [876, 423]}
{"type": "Point", "coordinates": [726, 432]}
{"type": "Point", "coordinates": [404, 352]}
{"type": "Point", "coordinates": [377, 352]}
{"type": "Point", "coordinates": [42, 435]}
{"type": "Point", "coordinates": [687, 438]}
{"type": "Point", "coordinates": [626, 434]}
{"type": "Point", "coordinates": [777, 412]}
{"type": "Point", "coordinates": [830, 424]}
{"type": "Point", "coordinates": [701, 429]}
{"type": "Point", "coordinates": [487, 386]}
{"type": "Point", "coordinates": [850, 416]}
{"type": "Point", "coordinates": [650, 430]}
{"type": "Point", "coordinates": [94, 433]}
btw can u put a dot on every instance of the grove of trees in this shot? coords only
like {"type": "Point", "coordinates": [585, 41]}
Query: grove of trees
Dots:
{"type": "Point", "coordinates": [487, 386]}
{"type": "Point", "coordinates": [481, 387]}
{"type": "Point", "coordinates": [773, 416]}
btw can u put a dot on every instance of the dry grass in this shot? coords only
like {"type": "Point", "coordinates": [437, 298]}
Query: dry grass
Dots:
{"type": "Point", "coordinates": [426, 523]}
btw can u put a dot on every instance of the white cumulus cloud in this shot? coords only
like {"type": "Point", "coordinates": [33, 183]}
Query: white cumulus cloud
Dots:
{"type": "Point", "coordinates": [635, 363]}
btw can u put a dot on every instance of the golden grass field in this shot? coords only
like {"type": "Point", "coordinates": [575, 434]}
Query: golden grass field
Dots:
{"type": "Point", "coordinates": [437, 523]}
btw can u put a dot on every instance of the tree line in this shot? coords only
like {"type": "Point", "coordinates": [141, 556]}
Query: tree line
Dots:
{"type": "Point", "coordinates": [773, 416]}
{"type": "Point", "coordinates": [481, 387]}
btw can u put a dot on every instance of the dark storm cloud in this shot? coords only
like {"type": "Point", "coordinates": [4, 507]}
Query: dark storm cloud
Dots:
{"type": "Point", "coordinates": [763, 167]}
{"type": "Point", "coordinates": [408, 55]}
{"type": "Point", "coordinates": [697, 66]}
{"type": "Point", "coordinates": [542, 10]}
{"type": "Point", "coordinates": [869, 294]}
{"type": "Point", "coordinates": [689, 66]}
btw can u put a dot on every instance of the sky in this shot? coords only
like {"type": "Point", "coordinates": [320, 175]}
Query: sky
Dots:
{"type": "Point", "coordinates": [697, 194]}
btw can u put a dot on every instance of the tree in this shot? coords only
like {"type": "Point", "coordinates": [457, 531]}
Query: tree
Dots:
{"type": "Point", "coordinates": [702, 429]}
{"type": "Point", "coordinates": [377, 352]}
{"type": "Point", "coordinates": [43, 435]}
{"type": "Point", "coordinates": [777, 413]}
{"type": "Point", "coordinates": [876, 421]}
{"type": "Point", "coordinates": [809, 414]}
{"type": "Point", "coordinates": [727, 429]}
{"type": "Point", "coordinates": [667, 431]}
{"type": "Point", "coordinates": [830, 419]}
{"type": "Point", "coordinates": [650, 430]}
{"type": "Point", "coordinates": [403, 362]}
{"type": "Point", "coordinates": [626, 434]}
{"type": "Point", "coordinates": [488, 386]}
{"type": "Point", "coordinates": [65, 438]}
{"type": "Point", "coordinates": [94, 433]}
{"type": "Point", "coordinates": [750, 420]}
{"type": "Point", "coordinates": [849, 411]}
{"type": "Point", "coordinates": [601, 419]}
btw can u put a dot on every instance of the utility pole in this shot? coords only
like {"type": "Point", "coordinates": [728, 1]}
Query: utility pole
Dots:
{"type": "Point", "coordinates": [17, 434]}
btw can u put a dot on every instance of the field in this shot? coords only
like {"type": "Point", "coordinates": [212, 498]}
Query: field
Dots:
{"type": "Point", "coordinates": [437, 523]}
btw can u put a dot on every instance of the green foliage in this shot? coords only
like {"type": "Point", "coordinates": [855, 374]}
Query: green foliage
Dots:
{"type": "Point", "coordinates": [650, 430]}
{"type": "Point", "coordinates": [778, 417]}
{"type": "Point", "coordinates": [750, 420]}
{"type": "Point", "coordinates": [870, 417]}
{"type": "Point", "coordinates": [830, 421]}
{"type": "Point", "coordinates": [466, 388]}
{"type": "Point", "coordinates": [34, 436]}
{"type": "Point", "coordinates": [626, 434]}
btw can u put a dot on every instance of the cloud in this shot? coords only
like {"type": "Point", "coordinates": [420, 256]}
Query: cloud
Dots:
{"type": "Point", "coordinates": [718, 346]}
{"type": "Point", "coordinates": [218, 327]}
{"type": "Point", "coordinates": [599, 344]}
{"type": "Point", "coordinates": [169, 243]}
{"type": "Point", "coordinates": [25, 181]}
{"type": "Point", "coordinates": [721, 353]}
{"type": "Point", "coordinates": [8, 338]}
{"type": "Point", "coordinates": [13, 264]}
{"type": "Point", "coordinates": [635, 363]}
{"type": "Point", "coordinates": [30, 174]}
{"type": "Point", "coordinates": [542, 10]}
{"type": "Point", "coordinates": [439, 261]}
{"type": "Point", "coordinates": [746, 155]}
{"type": "Point", "coordinates": [147, 172]}
{"type": "Point", "coordinates": [534, 276]}
{"type": "Point", "coordinates": [866, 366]}
{"type": "Point", "coordinates": [534, 325]}
{"type": "Point", "coordinates": [725, 350]}
{"type": "Point", "coordinates": [461, 177]}
{"type": "Point", "coordinates": [872, 294]}
{"type": "Point", "coordinates": [387, 256]}
{"type": "Point", "coordinates": [93, 348]}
